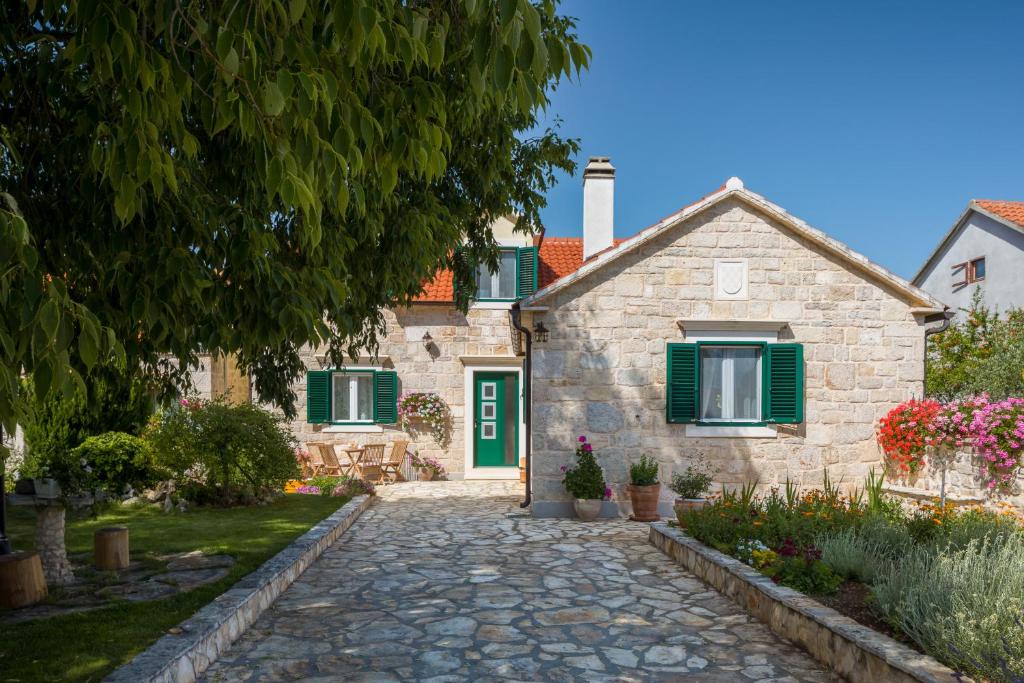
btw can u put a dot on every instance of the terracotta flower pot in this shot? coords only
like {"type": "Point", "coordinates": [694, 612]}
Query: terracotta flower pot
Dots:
{"type": "Point", "coordinates": [645, 502]}
{"type": "Point", "coordinates": [587, 509]}
{"type": "Point", "coordinates": [425, 474]}
{"type": "Point", "coordinates": [687, 504]}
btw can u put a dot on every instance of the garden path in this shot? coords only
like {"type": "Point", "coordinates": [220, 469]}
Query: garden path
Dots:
{"type": "Point", "coordinates": [435, 582]}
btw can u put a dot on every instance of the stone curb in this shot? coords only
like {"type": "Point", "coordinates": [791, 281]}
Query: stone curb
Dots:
{"type": "Point", "coordinates": [181, 657]}
{"type": "Point", "coordinates": [856, 652]}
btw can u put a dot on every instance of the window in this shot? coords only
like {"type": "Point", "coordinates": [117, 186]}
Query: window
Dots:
{"type": "Point", "coordinates": [499, 285]}
{"type": "Point", "coordinates": [730, 388]}
{"type": "Point", "coordinates": [735, 383]}
{"type": "Point", "coordinates": [968, 272]}
{"type": "Point", "coordinates": [515, 278]}
{"type": "Point", "coordinates": [351, 396]}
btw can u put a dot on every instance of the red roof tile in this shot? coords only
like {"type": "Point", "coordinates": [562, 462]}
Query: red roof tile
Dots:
{"type": "Point", "coordinates": [1011, 211]}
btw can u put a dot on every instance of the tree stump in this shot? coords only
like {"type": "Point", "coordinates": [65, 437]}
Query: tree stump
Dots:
{"type": "Point", "coordinates": [50, 545]}
{"type": "Point", "coordinates": [21, 580]}
{"type": "Point", "coordinates": [111, 548]}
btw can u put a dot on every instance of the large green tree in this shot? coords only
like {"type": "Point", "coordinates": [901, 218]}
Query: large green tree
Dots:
{"type": "Point", "coordinates": [249, 176]}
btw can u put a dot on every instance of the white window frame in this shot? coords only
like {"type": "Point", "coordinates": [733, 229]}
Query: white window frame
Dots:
{"type": "Point", "coordinates": [353, 396]}
{"type": "Point", "coordinates": [496, 279]}
{"type": "Point", "coordinates": [729, 384]}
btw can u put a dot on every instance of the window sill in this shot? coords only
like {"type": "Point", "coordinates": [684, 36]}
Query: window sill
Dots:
{"type": "Point", "coordinates": [730, 431]}
{"type": "Point", "coordinates": [354, 429]}
{"type": "Point", "coordinates": [502, 305]}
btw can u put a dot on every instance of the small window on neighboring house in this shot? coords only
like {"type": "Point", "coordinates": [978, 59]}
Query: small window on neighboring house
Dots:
{"type": "Point", "coordinates": [968, 272]}
{"type": "Point", "coordinates": [515, 278]}
{"type": "Point", "coordinates": [722, 383]}
{"type": "Point", "coordinates": [351, 396]}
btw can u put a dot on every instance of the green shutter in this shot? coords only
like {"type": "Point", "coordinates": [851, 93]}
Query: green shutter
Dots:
{"type": "Point", "coordinates": [785, 383]}
{"type": "Point", "coordinates": [385, 397]}
{"type": "Point", "coordinates": [527, 280]}
{"type": "Point", "coordinates": [318, 396]}
{"type": "Point", "coordinates": [681, 403]}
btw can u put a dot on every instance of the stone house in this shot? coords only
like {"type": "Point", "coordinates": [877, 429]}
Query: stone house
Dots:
{"type": "Point", "coordinates": [983, 251]}
{"type": "Point", "coordinates": [729, 330]}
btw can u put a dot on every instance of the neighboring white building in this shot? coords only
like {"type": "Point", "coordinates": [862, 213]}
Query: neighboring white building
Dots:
{"type": "Point", "coordinates": [984, 250]}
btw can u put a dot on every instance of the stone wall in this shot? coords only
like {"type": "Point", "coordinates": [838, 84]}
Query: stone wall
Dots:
{"type": "Point", "coordinates": [964, 484]}
{"type": "Point", "coordinates": [480, 333]}
{"type": "Point", "coordinates": [602, 373]}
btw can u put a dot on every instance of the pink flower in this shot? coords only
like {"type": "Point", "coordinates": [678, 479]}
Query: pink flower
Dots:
{"type": "Point", "coordinates": [564, 468]}
{"type": "Point", "coordinates": [607, 492]}
{"type": "Point", "coordinates": [587, 447]}
{"type": "Point", "coordinates": [582, 439]}
{"type": "Point", "coordinates": [184, 401]}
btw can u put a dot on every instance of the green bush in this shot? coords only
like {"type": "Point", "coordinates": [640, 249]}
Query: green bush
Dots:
{"type": "Point", "coordinates": [963, 606]}
{"type": "Point", "coordinates": [644, 472]}
{"type": "Point", "coordinates": [325, 483]}
{"type": "Point", "coordinates": [114, 402]}
{"type": "Point", "coordinates": [117, 462]}
{"type": "Point", "coordinates": [223, 452]}
{"type": "Point", "coordinates": [861, 554]}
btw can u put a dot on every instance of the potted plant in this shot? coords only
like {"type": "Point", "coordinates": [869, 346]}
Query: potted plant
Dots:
{"type": "Point", "coordinates": [585, 482]}
{"type": "Point", "coordinates": [691, 485]}
{"type": "Point", "coordinates": [45, 486]}
{"type": "Point", "coordinates": [644, 489]}
{"type": "Point", "coordinates": [427, 469]}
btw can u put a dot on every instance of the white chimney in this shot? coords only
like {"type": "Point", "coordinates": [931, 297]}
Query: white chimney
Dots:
{"type": "Point", "coordinates": [598, 206]}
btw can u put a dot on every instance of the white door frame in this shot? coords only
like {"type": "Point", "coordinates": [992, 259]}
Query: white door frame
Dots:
{"type": "Point", "coordinates": [472, 472]}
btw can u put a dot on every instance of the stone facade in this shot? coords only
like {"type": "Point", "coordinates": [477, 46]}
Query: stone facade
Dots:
{"type": "Point", "coordinates": [964, 484]}
{"type": "Point", "coordinates": [603, 371]}
{"type": "Point", "coordinates": [458, 340]}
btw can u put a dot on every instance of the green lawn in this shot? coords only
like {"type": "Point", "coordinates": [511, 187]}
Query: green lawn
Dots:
{"type": "Point", "coordinates": [87, 646]}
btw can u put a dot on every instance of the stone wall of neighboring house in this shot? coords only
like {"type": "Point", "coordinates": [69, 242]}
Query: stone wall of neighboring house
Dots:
{"type": "Point", "coordinates": [441, 369]}
{"type": "Point", "coordinates": [603, 371]}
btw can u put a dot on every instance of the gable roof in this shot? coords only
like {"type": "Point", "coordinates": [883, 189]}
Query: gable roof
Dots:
{"type": "Point", "coordinates": [1010, 214]}
{"type": "Point", "coordinates": [734, 189]}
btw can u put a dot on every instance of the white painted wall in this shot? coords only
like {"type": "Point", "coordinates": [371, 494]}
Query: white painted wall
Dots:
{"type": "Point", "coordinates": [1003, 250]}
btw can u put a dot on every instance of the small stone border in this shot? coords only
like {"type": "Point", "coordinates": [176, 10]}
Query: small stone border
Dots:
{"type": "Point", "coordinates": [181, 656]}
{"type": "Point", "coordinates": [858, 653]}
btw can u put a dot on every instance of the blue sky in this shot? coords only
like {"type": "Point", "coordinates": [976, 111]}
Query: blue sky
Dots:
{"type": "Point", "coordinates": [873, 121]}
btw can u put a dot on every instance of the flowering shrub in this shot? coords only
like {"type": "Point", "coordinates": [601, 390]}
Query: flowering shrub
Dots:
{"type": "Point", "coordinates": [354, 487]}
{"type": "Point", "coordinates": [428, 407]}
{"type": "Point", "coordinates": [585, 480]}
{"type": "Point", "coordinates": [998, 430]}
{"type": "Point", "coordinates": [304, 460]}
{"type": "Point", "coordinates": [905, 433]}
{"type": "Point", "coordinates": [427, 464]}
{"type": "Point", "coordinates": [994, 429]}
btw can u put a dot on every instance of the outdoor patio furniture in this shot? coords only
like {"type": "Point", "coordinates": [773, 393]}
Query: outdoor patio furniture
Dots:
{"type": "Point", "coordinates": [316, 462]}
{"type": "Point", "coordinates": [391, 468]}
{"type": "Point", "coordinates": [371, 464]}
{"type": "Point", "coordinates": [353, 455]}
{"type": "Point", "coordinates": [331, 464]}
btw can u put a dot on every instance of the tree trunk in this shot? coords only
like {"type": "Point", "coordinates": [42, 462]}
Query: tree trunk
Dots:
{"type": "Point", "coordinates": [111, 548]}
{"type": "Point", "coordinates": [50, 545]}
{"type": "Point", "coordinates": [21, 580]}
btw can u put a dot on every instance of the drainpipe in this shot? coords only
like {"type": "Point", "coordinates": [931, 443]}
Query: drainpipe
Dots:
{"type": "Point", "coordinates": [944, 320]}
{"type": "Point", "coordinates": [517, 316]}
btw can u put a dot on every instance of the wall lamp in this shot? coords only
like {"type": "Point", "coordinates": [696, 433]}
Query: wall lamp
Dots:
{"type": "Point", "coordinates": [427, 340]}
{"type": "Point", "coordinates": [540, 333]}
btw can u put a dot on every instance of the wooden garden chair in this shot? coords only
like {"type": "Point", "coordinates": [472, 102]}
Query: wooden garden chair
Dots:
{"type": "Point", "coordinates": [371, 463]}
{"type": "Point", "coordinates": [331, 464]}
{"type": "Point", "coordinates": [316, 461]}
{"type": "Point", "coordinates": [391, 468]}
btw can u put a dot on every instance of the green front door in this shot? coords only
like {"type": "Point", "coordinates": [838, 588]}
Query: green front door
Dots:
{"type": "Point", "coordinates": [495, 419]}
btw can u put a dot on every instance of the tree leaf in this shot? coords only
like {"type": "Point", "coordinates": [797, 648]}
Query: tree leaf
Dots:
{"type": "Point", "coordinates": [273, 100]}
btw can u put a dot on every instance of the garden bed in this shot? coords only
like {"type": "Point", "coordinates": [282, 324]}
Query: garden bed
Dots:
{"type": "Point", "coordinates": [947, 582]}
{"type": "Point", "coordinates": [87, 646]}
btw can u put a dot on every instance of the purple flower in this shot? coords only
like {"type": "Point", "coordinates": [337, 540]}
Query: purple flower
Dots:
{"type": "Point", "coordinates": [564, 468]}
{"type": "Point", "coordinates": [587, 447]}
{"type": "Point", "coordinates": [607, 492]}
{"type": "Point", "coordinates": [582, 439]}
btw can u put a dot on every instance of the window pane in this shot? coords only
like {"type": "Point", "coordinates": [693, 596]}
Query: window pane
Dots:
{"type": "Point", "coordinates": [340, 404]}
{"type": "Point", "coordinates": [730, 381]}
{"type": "Point", "coordinates": [483, 282]}
{"type": "Point", "coordinates": [364, 402]}
{"type": "Point", "coordinates": [507, 276]}
{"type": "Point", "coordinates": [979, 269]}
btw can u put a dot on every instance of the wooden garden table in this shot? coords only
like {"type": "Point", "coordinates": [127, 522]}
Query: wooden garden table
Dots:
{"type": "Point", "coordinates": [354, 455]}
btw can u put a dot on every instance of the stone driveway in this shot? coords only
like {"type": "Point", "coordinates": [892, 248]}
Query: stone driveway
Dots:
{"type": "Point", "coordinates": [436, 583]}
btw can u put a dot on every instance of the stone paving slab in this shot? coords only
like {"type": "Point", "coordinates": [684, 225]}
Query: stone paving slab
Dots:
{"type": "Point", "coordinates": [435, 583]}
